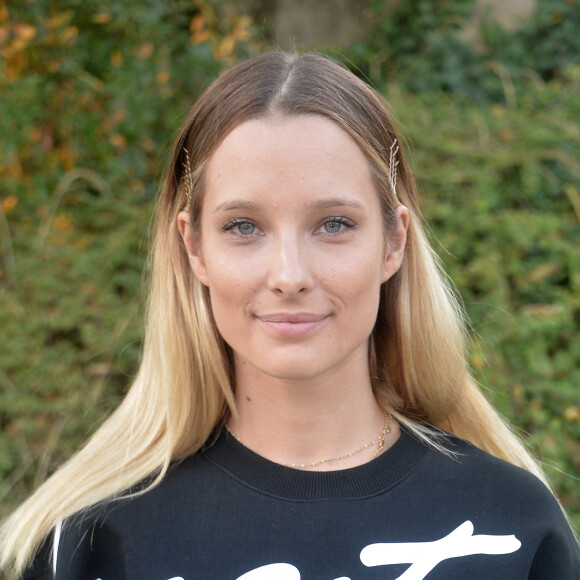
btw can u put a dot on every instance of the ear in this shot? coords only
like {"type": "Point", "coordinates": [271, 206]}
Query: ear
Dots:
{"type": "Point", "coordinates": [193, 246]}
{"type": "Point", "coordinates": [395, 247]}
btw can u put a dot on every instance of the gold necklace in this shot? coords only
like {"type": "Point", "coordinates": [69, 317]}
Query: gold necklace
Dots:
{"type": "Point", "coordinates": [379, 441]}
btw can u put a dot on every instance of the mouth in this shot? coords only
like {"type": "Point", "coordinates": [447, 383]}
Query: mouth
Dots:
{"type": "Point", "coordinates": [293, 325]}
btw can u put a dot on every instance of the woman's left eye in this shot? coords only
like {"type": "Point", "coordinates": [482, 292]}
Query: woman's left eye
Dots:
{"type": "Point", "coordinates": [336, 225]}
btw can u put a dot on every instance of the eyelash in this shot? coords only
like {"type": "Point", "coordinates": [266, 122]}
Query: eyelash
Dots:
{"type": "Point", "coordinates": [348, 224]}
{"type": "Point", "coordinates": [231, 224]}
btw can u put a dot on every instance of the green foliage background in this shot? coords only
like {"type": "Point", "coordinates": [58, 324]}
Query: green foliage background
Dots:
{"type": "Point", "coordinates": [91, 95]}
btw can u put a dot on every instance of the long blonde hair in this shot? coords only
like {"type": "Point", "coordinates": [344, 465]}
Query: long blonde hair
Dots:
{"type": "Point", "coordinates": [184, 390]}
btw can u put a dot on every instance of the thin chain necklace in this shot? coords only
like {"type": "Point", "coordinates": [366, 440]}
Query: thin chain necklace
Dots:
{"type": "Point", "coordinates": [379, 442]}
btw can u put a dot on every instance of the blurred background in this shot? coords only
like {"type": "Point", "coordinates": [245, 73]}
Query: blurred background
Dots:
{"type": "Point", "coordinates": [92, 94]}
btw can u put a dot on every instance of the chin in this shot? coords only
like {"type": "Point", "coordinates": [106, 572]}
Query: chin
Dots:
{"type": "Point", "coordinates": [299, 369]}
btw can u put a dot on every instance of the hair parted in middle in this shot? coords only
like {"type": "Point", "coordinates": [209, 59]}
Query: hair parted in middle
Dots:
{"type": "Point", "coordinates": [184, 388]}
{"type": "Point", "coordinates": [417, 352]}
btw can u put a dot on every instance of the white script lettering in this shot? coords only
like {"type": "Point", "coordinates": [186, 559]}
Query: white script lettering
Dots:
{"type": "Point", "coordinates": [278, 571]}
{"type": "Point", "coordinates": [424, 556]}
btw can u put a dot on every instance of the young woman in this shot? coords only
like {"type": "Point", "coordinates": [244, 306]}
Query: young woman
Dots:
{"type": "Point", "coordinates": [303, 408]}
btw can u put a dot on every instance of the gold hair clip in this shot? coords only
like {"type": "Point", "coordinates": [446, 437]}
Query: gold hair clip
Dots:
{"type": "Point", "coordinates": [188, 180]}
{"type": "Point", "coordinates": [393, 162]}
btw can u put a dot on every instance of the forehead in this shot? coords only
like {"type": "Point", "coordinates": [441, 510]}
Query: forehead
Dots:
{"type": "Point", "coordinates": [285, 159]}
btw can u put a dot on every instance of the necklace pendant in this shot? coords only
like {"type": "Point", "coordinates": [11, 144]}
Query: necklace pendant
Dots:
{"type": "Point", "coordinates": [332, 461]}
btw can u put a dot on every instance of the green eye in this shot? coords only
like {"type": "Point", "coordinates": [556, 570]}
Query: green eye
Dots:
{"type": "Point", "coordinates": [245, 228]}
{"type": "Point", "coordinates": [333, 227]}
{"type": "Point", "coordinates": [336, 225]}
{"type": "Point", "coordinates": [240, 227]}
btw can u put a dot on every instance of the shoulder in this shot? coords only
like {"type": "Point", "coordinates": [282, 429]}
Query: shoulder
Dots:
{"type": "Point", "coordinates": [462, 461]}
{"type": "Point", "coordinates": [77, 545]}
{"type": "Point", "coordinates": [469, 480]}
{"type": "Point", "coordinates": [496, 481]}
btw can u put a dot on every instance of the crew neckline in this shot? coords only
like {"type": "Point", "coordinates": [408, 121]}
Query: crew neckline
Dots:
{"type": "Point", "coordinates": [268, 477]}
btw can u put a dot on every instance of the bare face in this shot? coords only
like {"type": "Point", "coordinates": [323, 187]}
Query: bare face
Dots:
{"type": "Point", "coordinates": [292, 248]}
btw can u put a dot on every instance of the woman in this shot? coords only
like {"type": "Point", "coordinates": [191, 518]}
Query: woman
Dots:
{"type": "Point", "coordinates": [303, 356]}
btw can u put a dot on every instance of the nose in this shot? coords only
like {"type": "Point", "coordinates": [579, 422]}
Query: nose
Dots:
{"type": "Point", "coordinates": [290, 273]}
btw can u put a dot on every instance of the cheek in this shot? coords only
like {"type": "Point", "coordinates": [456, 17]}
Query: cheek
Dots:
{"type": "Point", "coordinates": [228, 275]}
{"type": "Point", "coordinates": [355, 286]}
{"type": "Point", "coordinates": [228, 312]}
{"type": "Point", "coordinates": [357, 274]}
{"type": "Point", "coordinates": [231, 290]}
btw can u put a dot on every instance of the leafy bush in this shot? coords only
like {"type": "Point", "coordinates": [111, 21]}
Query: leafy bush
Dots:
{"type": "Point", "coordinates": [420, 45]}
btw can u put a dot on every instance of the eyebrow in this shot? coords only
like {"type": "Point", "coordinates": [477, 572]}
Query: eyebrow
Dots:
{"type": "Point", "coordinates": [337, 202]}
{"type": "Point", "coordinates": [236, 204]}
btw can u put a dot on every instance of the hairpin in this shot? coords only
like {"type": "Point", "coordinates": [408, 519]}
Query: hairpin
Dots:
{"type": "Point", "coordinates": [188, 180]}
{"type": "Point", "coordinates": [393, 162]}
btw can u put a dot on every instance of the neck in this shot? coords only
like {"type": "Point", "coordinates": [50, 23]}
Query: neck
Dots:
{"type": "Point", "coordinates": [297, 422]}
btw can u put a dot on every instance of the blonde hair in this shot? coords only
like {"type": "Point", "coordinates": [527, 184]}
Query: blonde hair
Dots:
{"type": "Point", "coordinates": [183, 390]}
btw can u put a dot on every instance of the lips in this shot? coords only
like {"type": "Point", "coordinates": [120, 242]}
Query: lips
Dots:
{"type": "Point", "coordinates": [292, 324]}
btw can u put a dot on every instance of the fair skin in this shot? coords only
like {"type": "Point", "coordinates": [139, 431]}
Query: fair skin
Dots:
{"type": "Point", "coordinates": [293, 251]}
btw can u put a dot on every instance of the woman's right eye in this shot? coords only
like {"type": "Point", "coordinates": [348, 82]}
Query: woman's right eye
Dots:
{"type": "Point", "coordinates": [240, 227]}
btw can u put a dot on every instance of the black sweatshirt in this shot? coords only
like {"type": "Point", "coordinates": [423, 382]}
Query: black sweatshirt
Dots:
{"type": "Point", "coordinates": [414, 512]}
